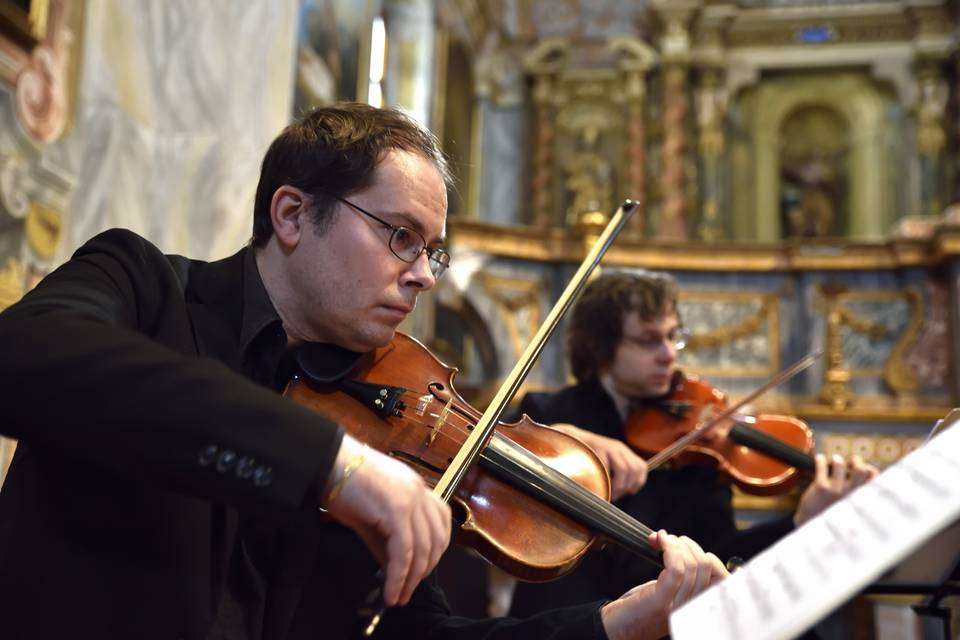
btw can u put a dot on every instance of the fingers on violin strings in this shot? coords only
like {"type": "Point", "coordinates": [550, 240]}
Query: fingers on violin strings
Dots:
{"type": "Point", "coordinates": [820, 469]}
{"type": "Point", "coordinates": [718, 571]}
{"type": "Point", "coordinates": [671, 579]}
{"type": "Point", "coordinates": [861, 472]}
{"type": "Point", "coordinates": [708, 570]}
{"type": "Point", "coordinates": [688, 576]}
{"type": "Point", "coordinates": [838, 473]}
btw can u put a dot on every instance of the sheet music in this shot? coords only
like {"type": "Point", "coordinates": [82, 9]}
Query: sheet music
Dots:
{"type": "Point", "coordinates": [806, 575]}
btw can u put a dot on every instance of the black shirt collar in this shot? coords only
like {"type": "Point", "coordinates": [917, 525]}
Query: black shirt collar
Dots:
{"type": "Point", "coordinates": [258, 312]}
{"type": "Point", "coordinates": [266, 358]}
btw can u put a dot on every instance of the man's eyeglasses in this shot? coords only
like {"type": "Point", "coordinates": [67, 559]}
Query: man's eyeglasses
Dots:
{"type": "Point", "coordinates": [650, 343]}
{"type": "Point", "coordinates": [407, 244]}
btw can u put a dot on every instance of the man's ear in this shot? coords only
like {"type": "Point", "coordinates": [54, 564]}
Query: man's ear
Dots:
{"type": "Point", "coordinates": [288, 211]}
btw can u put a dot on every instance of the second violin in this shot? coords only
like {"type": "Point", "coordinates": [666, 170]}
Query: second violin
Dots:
{"type": "Point", "coordinates": [761, 454]}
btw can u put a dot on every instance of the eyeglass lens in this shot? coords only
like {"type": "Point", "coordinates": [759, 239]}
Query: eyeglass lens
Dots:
{"type": "Point", "coordinates": [408, 244]}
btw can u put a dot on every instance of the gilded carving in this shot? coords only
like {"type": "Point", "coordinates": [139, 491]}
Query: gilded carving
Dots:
{"type": "Point", "coordinates": [12, 280]}
{"type": "Point", "coordinates": [897, 373]}
{"type": "Point", "coordinates": [727, 334]}
{"type": "Point", "coordinates": [732, 334]}
{"type": "Point", "coordinates": [518, 303]}
{"type": "Point", "coordinates": [930, 113]}
{"type": "Point", "coordinates": [836, 377]}
{"type": "Point", "coordinates": [930, 109]}
{"type": "Point", "coordinates": [43, 227]}
{"type": "Point", "coordinates": [836, 304]}
{"type": "Point", "coordinates": [588, 175]}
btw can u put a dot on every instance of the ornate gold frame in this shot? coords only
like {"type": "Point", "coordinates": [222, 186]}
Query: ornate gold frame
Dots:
{"type": "Point", "coordinates": [913, 298]}
{"type": "Point", "coordinates": [511, 295]}
{"type": "Point", "coordinates": [769, 313]}
{"type": "Point", "coordinates": [557, 245]}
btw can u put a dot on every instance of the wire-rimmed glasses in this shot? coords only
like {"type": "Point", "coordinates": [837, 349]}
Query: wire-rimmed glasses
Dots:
{"type": "Point", "coordinates": [676, 339]}
{"type": "Point", "coordinates": [406, 243]}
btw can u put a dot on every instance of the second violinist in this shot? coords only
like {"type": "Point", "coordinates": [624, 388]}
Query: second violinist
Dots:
{"type": "Point", "coordinates": [622, 342]}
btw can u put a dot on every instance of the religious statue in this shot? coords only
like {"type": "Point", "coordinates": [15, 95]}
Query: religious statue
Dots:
{"type": "Point", "coordinates": [809, 196]}
{"type": "Point", "coordinates": [588, 178]}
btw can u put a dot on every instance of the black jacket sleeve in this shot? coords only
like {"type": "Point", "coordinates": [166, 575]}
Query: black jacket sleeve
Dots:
{"type": "Point", "coordinates": [99, 361]}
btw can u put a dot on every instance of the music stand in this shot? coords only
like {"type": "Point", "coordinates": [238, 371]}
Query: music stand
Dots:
{"type": "Point", "coordinates": [842, 551]}
{"type": "Point", "coordinates": [933, 571]}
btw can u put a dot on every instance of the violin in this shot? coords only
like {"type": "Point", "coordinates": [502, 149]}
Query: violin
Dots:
{"type": "Point", "coordinates": [762, 454]}
{"type": "Point", "coordinates": [537, 499]}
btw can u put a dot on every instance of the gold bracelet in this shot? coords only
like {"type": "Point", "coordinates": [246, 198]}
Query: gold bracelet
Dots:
{"type": "Point", "coordinates": [348, 470]}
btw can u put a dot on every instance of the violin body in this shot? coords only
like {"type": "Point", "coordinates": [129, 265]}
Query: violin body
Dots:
{"type": "Point", "coordinates": [512, 529]}
{"type": "Point", "coordinates": [690, 404]}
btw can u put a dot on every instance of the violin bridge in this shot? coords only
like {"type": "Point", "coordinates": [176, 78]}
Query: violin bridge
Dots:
{"type": "Point", "coordinates": [441, 420]}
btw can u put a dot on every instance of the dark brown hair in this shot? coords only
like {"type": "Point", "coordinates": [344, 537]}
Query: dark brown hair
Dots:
{"type": "Point", "coordinates": [596, 322]}
{"type": "Point", "coordinates": [333, 151]}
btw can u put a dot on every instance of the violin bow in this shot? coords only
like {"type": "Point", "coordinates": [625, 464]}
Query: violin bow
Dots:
{"type": "Point", "coordinates": [681, 443]}
{"type": "Point", "coordinates": [472, 447]}
{"type": "Point", "coordinates": [474, 443]}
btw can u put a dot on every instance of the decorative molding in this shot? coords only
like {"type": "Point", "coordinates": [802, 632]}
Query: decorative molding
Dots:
{"type": "Point", "coordinates": [515, 297]}
{"type": "Point", "coordinates": [853, 99]}
{"type": "Point", "coordinates": [877, 449]}
{"type": "Point", "coordinates": [558, 245]}
{"type": "Point", "coordinates": [897, 373]}
{"type": "Point", "coordinates": [39, 75]}
{"type": "Point", "coordinates": [888, 62]}
{"type": "Point", "coordinates": [757, 317]}
{"type": "Point", "coordinates": [838, 307]}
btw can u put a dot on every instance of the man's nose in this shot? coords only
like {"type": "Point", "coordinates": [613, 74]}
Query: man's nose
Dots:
{"type": "Point", "coordinates": [418, 273]}
{"type": "Point", "coordinates": [667, 351]}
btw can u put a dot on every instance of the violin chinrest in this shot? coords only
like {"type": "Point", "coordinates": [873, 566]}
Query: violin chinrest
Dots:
{"type": "Point", "coordinates": [323, 363]}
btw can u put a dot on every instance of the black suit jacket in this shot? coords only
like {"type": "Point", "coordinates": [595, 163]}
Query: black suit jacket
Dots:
{"type": "Point", "coordinates": [120, 377]}
{"type": "Point", "coordinates": [693, 501]}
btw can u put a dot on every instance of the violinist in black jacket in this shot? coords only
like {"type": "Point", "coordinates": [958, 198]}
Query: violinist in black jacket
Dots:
{"type": "Point", "coordinates": [622, 342]}
{"type": "Point", "coordinates": [163, 489]}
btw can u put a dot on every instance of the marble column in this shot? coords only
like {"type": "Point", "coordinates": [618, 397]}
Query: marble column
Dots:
{"type": "Point", "coordinates": [673, 222]}
{"type": "Point", "coordinates": [673, 177]}
{"type": "Point", "coordinates": [711, 107]}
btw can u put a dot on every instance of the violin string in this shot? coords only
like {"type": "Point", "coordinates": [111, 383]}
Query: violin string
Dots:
{"type": "Point", "coordinates": [696, 433]}
{"type": "Point", "coordinates": [615, 522]}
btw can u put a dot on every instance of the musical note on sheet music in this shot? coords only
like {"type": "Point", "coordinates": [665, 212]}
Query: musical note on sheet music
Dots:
{"type": "Point", "coordinates": [796, 582]}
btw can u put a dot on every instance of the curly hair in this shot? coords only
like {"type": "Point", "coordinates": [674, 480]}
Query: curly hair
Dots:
{"type": "Point", "coordinates": [596, 322]}
{"type": "Point", "coordinates": [332, 152]}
